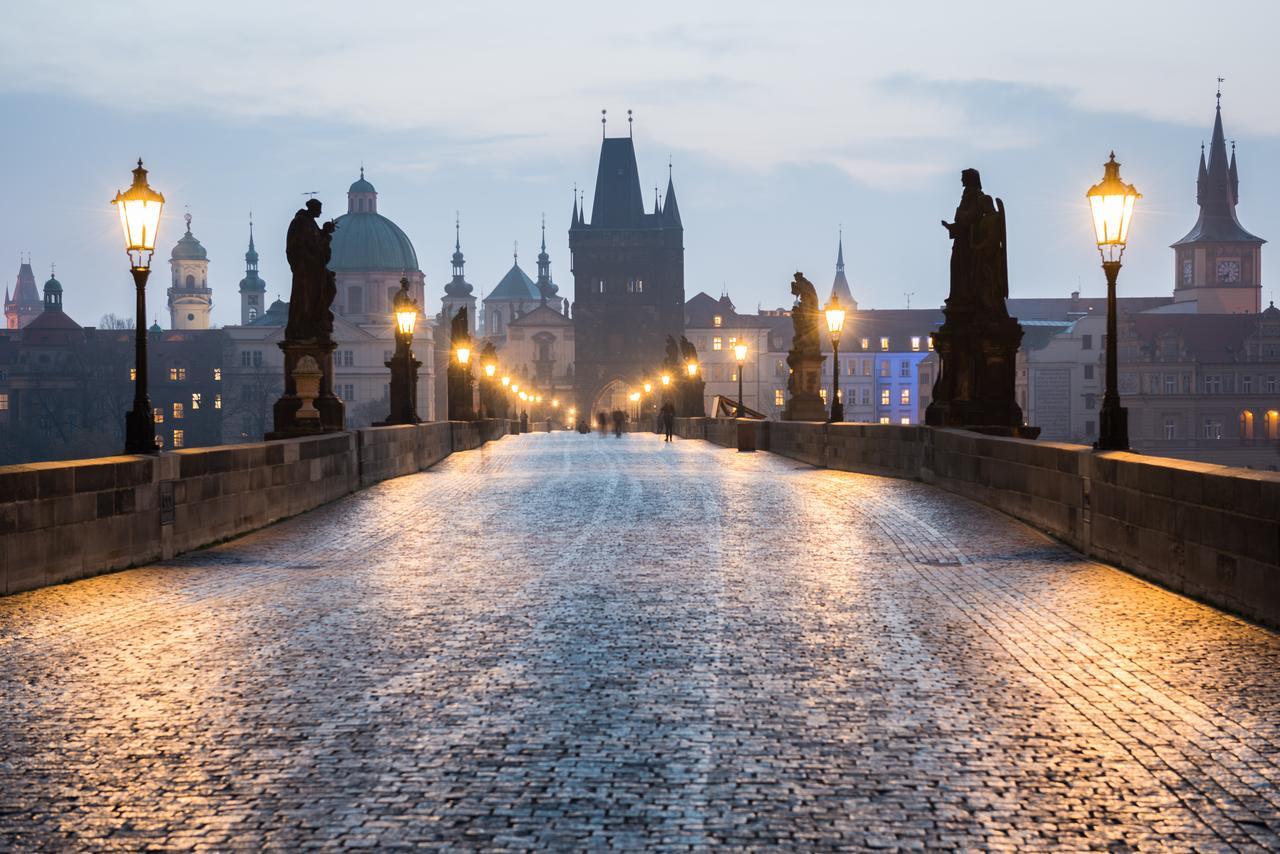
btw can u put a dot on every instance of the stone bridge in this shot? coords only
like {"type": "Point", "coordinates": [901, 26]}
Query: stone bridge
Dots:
{"type": "Point", "coordinates": [564, 641]}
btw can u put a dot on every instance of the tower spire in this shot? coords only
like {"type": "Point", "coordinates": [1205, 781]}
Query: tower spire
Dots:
{"type": "Point", "coordinates": [604, 115]}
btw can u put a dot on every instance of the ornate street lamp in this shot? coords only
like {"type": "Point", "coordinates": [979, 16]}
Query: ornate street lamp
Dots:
{"type": "Point", "coordinates": [1111, 202]}
{"type": "Point", "coordinates": [464, 355]}
{"type": "Point", "coordinates": [404, 367]}
{"type": "Point", "coordinates": [139, 208]}
{"type": "Point", "coordinates": [740, 353]}
{"type": "Point", "coordinates": [835, 325]}
{"type": "Point", "coordinates": [692, 369]}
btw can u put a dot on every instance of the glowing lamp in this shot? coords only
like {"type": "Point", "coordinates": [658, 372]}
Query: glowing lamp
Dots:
{"type": "Point", "coordinates": [635, 396]}
{"type": "Point", "coordinates": [835, 317]}
{"type": "Point", "coordinates": [464, 355]}
{"type": "Point", "coordinates": [648, 387]}
{"type": "Point", "coordinates": [666, 379]}
{"type": "Point", "coordinates": [692, 368]}
{"type": "Point", "coordinates": [406, 311]}
{"type": "Point", "coordinates": [1111, 203]}
{"type": "Point", "coordinates": [139, 208]}
{"type": "Point", "coordinates": [506, 381]}
{"type": "Point", "coordinates": [740, 352]}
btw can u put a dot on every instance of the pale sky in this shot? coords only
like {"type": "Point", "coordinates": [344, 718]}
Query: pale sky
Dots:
{"type": "Point", "coordinates": [783, 122]}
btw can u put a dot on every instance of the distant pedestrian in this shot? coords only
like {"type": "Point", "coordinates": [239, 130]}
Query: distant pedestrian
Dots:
{"type": "Point", "coordinates": [619, 419]}
{"type": "Point", "coordinates": [668, 420]}
{"type": "Point", "coordinates": [602, 423]}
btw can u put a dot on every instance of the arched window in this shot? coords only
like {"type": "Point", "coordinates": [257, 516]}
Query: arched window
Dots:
{"type": "Point", "coordinates": [1246, 424]}
{"type": "Point", "coordinates": [1272, 421]}
{"type": "Point", "coordinates": [191, 281]}
{"type": "Point", "coordinates": [253, 313]}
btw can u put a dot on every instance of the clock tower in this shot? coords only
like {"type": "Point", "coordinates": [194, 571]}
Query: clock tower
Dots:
{"type": "Point", "coordinates": [1218, 265]}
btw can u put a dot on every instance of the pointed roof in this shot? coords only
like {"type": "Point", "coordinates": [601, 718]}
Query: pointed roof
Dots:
{"type": "Point", "coordinates": [515, 285]}
{"type": "Point", "coordinates": [458, 286]}
{"type": "Point", "coordinates": [618, 201]}
{"type": "Point", "coordinates": [670, 209]}
{"type": "Point", "coordinates": [1215, 194]}
{"type": "Point", "coordinates": [840, 287]}
{"type": "Point", "coordinates": [25, 291]}
{"type": "Point", "coordinates": [252, 282]}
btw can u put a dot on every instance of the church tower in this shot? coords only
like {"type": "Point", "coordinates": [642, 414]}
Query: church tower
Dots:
{"type": "Point", "coordinates": [458, 293]}
{"type": "Point", "coordinates": [628, 277]}
{"type": "Point", "coordinates": [190, 299]}
{"type": "Point", "coordinates": [840, 287]}
{"type": "Point", "coordinates": [25, 304]}
{"type": "Point", "coordinates": [252, 289]}
{"type": "Point", "coordinates": [1218, 265]}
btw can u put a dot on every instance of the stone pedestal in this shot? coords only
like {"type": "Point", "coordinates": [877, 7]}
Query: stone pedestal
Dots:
{"type": "Point", "coordinates": [332, 413]}
{"type": "Point", "coordinates": [461, 406]}
{"type": "Point", "coordinates": [975, 389]}
{"type": "Point", "coordinates": [804, 402]}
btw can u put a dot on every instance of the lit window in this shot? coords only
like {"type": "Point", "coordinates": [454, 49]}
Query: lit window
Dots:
{"type": "Point", "coordinates": [195, 400]}
{"type": "Point", "coordinates": [884, 343]}
{"type": "Point", "coordinates": [716, 321]}
{"type": "Point", "coordinates": [779, 399]}
{"type": "Point", "coordinates": [4, 402]}
{"type": "Point", "coordinates": [884, 419]}
{"type": "Point", "coordinates": [733, 339]}
{"type": "Point", "coordinates": [822, 392]}
{"type": "Point", "coordinates": [177, 375]}
{"type": "Point", "coordinates": [884, 397]}
{"type": "Point", "coordinates": [159, 415]}
{"type": "Point", "coordinates": [906, 397]}
{"type": "Point", "coordinates": [930, 342]}
{"type": "Point", "coordinates": [866, 342]}
{"type": "Point", "coordinates": [133, 375]}
{"type": "Point", "coordinates": [866, 367]}
{"type": "Point", "coordinates": [733, 376]}
{"type": "Point", "coordinates": [217, 375]}
{"type": "Point", "coordinates": [178, 438]}
{"type": "Point", "coordinates": [906, 419]}
{"type": "Point", "coordinates": [717, 343]}
{"type": "Point", "coordinates": [217, 401]}
{"type": "Point", "coordinates": [177, 411]}
{"type": "Point", "coordinates": [915, 343]}
{"type": "Point", "coordinates": [884, 368]}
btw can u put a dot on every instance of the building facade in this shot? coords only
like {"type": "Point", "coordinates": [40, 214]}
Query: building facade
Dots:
{"type": "Point", "coordinates": [628, 277]}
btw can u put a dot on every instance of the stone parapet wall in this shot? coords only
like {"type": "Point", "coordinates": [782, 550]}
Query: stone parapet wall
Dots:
{"type": "Point", "coordinates": [61, 521]}
{"type": "Point", "coordinates": [1209, 531]}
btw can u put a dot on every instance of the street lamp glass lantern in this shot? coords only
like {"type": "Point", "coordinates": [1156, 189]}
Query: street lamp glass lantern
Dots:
{"type": "Point", "coordinates": [139, 208]}
{"type": "Point", "coordinates": [506, 381]}
{"type": "Point", "coordinates": [490, 369]}
{"type": "Point", "coordinates": [648, 387]}
{"type": "Point", "coordinates": [740, 352]}
{"type": "Point", "coordinates": [835, 318]}
{"type": "Point", "coordinates": [666, 379]}
{"type": "Point", "coordinates": [464, 355]}
{"type": "Point", "coordinates": [692, 368]}
{"type": "Point", "coordinates": [1111, 202]}
{"type": "Point", "coordinates": [406, 311]}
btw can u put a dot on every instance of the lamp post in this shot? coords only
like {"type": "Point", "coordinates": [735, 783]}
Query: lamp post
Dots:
{"type": "Point", "coordinates": [835, 325]}
{"type": "Point", "coordinates": [1111, 202]}
{"type": "Point", "coordinates": [404, 368]}
{"type": "Point", "coordinates": [139, 208]}
{"type": "Point", "coordinates": [740, 353]}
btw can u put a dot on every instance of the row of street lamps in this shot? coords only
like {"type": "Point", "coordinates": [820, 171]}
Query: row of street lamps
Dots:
{"type": "Point", "coordinates": [1111, 203]}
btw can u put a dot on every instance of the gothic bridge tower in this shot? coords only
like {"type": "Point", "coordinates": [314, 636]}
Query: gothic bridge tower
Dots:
{"type": "Point", "coordinates": [628, 277]}
{"type": "Point", "coordinates": [1219, 264]}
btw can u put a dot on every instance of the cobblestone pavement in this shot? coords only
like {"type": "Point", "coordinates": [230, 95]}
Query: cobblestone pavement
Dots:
{"type": "Point", "coordinates": [563, 641]}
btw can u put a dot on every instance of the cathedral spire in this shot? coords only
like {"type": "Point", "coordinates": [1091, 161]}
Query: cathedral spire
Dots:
{"type": "Point", "coordinates": [670, 209]}
{"type": "Point", "coordinates": [459, 287]}
{"type": "Point", "coordinates": [546, 289]}
{"type": "Point", "coordinates": [840, 287]}
{"type": "Point", "coordinates": [1234, 175]}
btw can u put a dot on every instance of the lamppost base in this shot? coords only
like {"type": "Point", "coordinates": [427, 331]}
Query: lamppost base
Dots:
{"type": "Point", "coordinates": [1113, 433]}
{"type": "Point", "coordinates": [837, 411]}
{"type": "Point", "coordinates": [140, 432]}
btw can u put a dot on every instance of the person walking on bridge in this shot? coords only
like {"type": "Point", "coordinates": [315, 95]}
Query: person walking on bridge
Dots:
{"type": "Point", "coordinates": [619, 419]}
{"type": "Point", "coordinates": [668, 420]}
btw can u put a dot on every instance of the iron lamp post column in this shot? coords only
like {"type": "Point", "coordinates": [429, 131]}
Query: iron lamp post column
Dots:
{"type": "Point", "coordinates": [835, 314]}
{"type": "Point", "coordinates": [740, 353]}
{"type": "Point", "coordinates": [1113, 429]}
{"type": "Point", "coordinates": [140, 422]}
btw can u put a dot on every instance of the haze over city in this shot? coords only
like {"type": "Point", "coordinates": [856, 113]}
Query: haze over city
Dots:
{"type": "Point", "coordinates": [781, 126]}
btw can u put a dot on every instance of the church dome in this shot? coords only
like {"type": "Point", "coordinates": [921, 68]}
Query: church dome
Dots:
{"type": "Point", "coordinates": [369, 242]}
{"type": "Point", "coordinates": [53, 286]}
{"type": "Point", "coordinates": [188, 248]}
{"type": "Point", "coordinates": [361, 185]}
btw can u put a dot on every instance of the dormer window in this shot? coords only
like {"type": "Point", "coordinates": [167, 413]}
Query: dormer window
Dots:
{"type": "Point", "coordinates": [717, 321]}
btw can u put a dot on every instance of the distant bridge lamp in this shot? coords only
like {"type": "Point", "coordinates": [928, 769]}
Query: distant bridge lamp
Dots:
{"type": "Point", "coordinates": [1111, 203]}
{"type": "Point", "coordinates": [740, 354]}
{"type": "Point", "coordinates": [835, 326]}
{"type": "Point", "coordinates": [404, 367]}
{"type": "Point", "coordinates": [139, 208]}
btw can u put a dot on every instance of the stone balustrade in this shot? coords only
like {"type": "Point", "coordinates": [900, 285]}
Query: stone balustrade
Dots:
{"type": "Point", "coordinates": [60, 521]}
{"type": "Point", "coordinates": [1211, 532]}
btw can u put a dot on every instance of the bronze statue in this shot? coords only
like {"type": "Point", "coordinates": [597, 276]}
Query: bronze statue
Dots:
{"type": "Point", "coordinates": [979, 256]}
{"type": "Point", "coordinates": [672, 361]}
{"type": "Point", "coordinates": [307, 248]}
{"type": "Point", "coordinates": [459, 329]}
{"type": "Point", "coordinates": [688, 353]}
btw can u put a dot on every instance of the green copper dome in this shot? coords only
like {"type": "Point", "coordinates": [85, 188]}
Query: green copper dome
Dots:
{"type": "Point", "coordinates": [188, 248]}
{"type": "Point", "coordinates": [370, 241]}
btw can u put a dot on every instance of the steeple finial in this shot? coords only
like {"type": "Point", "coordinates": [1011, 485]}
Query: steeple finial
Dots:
{"type": "Point", "coordinates": [544, 231]}
{"type": "Point", "coordinates": [515, 251]}
{"type": "Point", "coordinates": [457, 231]}
{"type": "Point", "coordinates": [604, 115]}
{"type": "Point", "coordinates": [361, 170]}
{"type": "Point", "coordinates": [630, 133]}
{"type": "Point", "coordinates": [1221, 80]}
{"type": "Point", "coordinates": [187, 217]}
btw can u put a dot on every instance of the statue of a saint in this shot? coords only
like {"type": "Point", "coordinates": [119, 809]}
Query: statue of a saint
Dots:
{"type": "Point", "coordinates": [979, 261]}
{"type": "Point", "coordinates": [307, 248]}
{"type": "Point", "coordinates": [459, 329]}
{"type": "Point", "coordinates": [804, 317]}
{"type": "Point", "coordinates": [688, 353]}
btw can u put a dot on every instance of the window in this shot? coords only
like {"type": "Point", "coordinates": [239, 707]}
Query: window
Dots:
{"type": "Point", "coordinates": [346, 358]}
{"type": "Point", "coordinates": [884, 368]}
{"type": "Point", "coordinates": [1211, 428]}
{"type": "Point", "coordinates": [1271, 384]}
{"type": "Point", "coordinates": [639, 286]}
{"type": "Point", "coordinates": [779, 399]}
{"type": "Point", "coordinates": [1090, 401]}
{"type": "Point", "coordinates": [217, 375]}
{"type": "Point", "coordinates": [733, 339]}
{"type": "Point", "coordinates": [929, 344]}
{"type": "Point", "coordinates": [717, 343]}
{"type": "Point", "coordinates": [253, 314]}
{"type": "Point", "coordinates": [347, 392]}
{"type": "Point", "coordinates": [733, 375]}
{"type": "Point", "coordinates": [217, 401]}
{"type": "Point", "coordinates": [884, 343]}
{"type": "Point", "coordinates": [133, 375]}
{"type": "Point", "coordinates": [179, 438]}
{"type": "Point", "coordinates": [866, 343]}
{"type": "Point", "coordinates": [904, 369]}
{"type": "Point", "coordinates": [257, 358]}
{"type": "Point", "coordinates": [177, 375]}
{"type": "Point", "coordinates": [884, 419]}
{"type": "Point", "coordinates": [177, 411]}
{"type": "Point", "coordinates": [906, 397]}
{"type": "Point", "coordinates": [822, 392]}
{"type": "Point", "coordinates": [1212, 385]}
{"type": "Point", "coordinates": [4, 402]}
{"type": "Point", "coordinates": [195, 400]}
{"type": "Point", "coordinates": [884, 397]}
{"type": "Point", "coordinates": [1170, 384]}
{"type": "Point", "coordinates": [600, 285]}
{"type": "Point", "coordinates": [906, 419]}
{"type": "Point", "coordinates": [779, 368]}
{"type": "Point", "coordinates": [159, 415]}
{"type": "Point", "coordinates": [1170, 428]}
{"type": "Point", "coordinates": [716, 321]}
{"type": "Point", "coordinates": [866, 367]}
{"type": "Point", "coordinates": [1086, 342]}
{"type": "Point", "coordinates": [915, 343]}
{"type": "Point", "coordinates": [1088, 372]}
{"type": "Point", "coordinates": [1246, 384]}
{"type": "Point", "coordinates": [866, 396]}
{"type": "Point", "coordinates": [246, 359]}
{"type": "Point", "coordinates": [1246, 424]}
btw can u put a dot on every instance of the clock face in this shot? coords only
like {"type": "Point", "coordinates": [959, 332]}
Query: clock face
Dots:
{"type": "Point", "coordinates": [1228, 271]}
{"type": "Point", "coordinates": [1187, 269]}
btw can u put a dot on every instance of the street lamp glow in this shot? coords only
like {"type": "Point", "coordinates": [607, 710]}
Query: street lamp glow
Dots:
{"type": "Point", "coordinates": [1111, 201]}
{"type": "Point", "coordinates": [692, 368]}
{"type": "Point", "coordinates": [464, 355]}
{"type": "Point", "coordinates": [635, 396]}
{"type": "Point", "coordinates": [648, 387]}
{"type": "Point", "coordinates": [406, 313]}
{"type": "Point", "coordinates": [490, 369]}
{"type": "Point", "coordinates": [524, 396]}
{"type": "Point", "coordinates": [666, 379]}
{"type": "Point", "coordinates": [555, 403]}
{"type": "Point", "coordinates": [835, 325]}
{"type": "Point", "coordinates": [139, 208]}
{"type": "Point", "coordinates": [740, 352]}
{"type": "Point", "coordinates": [835, 317]}
{"type": "Point", "coordinates": [506, 381]}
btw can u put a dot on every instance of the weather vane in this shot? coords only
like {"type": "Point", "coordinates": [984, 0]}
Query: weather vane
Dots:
{"type": "Point", "coordinates": [312, 193]}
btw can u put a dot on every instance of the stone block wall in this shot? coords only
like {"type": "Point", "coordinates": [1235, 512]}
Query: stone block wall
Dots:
{"type": "Point", "coordinates": [1209, 531]}
{"type": "Point", "coordinates": [61, 521]}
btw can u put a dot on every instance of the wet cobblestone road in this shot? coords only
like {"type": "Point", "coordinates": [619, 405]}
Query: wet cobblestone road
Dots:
{"type": "Point", "coordinates": [563, 641]}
